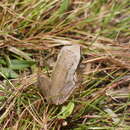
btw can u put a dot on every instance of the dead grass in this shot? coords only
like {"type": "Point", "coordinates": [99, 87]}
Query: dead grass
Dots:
{"type": "Point", "coordinates": [31, 35]}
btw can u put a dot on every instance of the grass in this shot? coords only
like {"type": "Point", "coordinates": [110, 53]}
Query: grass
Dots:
{"type": "Point", "coordinates": [31, 35]}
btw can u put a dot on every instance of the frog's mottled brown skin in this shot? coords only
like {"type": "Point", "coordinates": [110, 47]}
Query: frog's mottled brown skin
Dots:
{"type": "Point", "coordinates": [63, 80]}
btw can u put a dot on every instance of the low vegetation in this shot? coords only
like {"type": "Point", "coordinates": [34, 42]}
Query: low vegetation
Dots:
{"type": "Point", "coordinates": [32, 33]}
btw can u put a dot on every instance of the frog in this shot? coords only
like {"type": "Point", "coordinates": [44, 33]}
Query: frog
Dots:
{"type": "Point", "coordinates": [63, 81]}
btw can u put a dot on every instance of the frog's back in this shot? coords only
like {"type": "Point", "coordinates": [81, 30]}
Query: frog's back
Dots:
{"type": "Point", "coordinates": [63, 82]}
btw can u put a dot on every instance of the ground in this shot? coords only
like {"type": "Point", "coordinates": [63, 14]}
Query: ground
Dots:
{"type": "Point", "coordinates": [32, 32]}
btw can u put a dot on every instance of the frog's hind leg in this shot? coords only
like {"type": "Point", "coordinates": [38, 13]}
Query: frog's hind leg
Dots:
{"type": "Point", "coordinates": [44, 84]}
